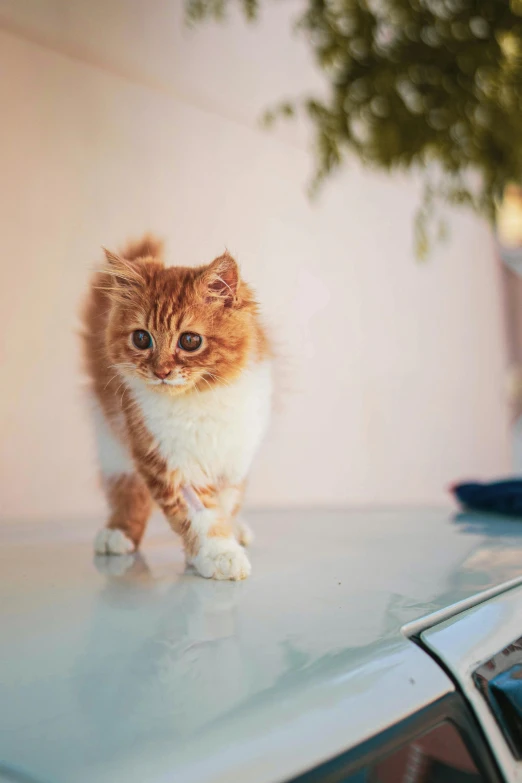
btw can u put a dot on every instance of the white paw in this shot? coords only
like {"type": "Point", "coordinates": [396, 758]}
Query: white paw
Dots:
{"type": "Point", "coordinates": [220, 558]}
{"type": "Point", "coordinates": [112, 542]}
{"type": "Point", "coordinates": [244, 533]}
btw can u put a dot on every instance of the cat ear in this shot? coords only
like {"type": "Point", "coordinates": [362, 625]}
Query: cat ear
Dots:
{"type": "Point", "coordinates": [125, 273]}
{"type": "Point", "coordinates": [221, 280]}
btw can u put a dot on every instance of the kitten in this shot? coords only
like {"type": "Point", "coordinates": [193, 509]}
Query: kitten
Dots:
{"type": "Point", "coordinates": [181, 374]}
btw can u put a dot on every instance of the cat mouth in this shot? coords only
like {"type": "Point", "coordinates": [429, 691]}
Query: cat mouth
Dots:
{"type": "Point", "coordinates": [166, 382]}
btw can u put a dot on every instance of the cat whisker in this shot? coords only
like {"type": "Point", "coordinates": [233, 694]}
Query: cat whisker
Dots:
{"type": "Point", "coordinates": [123, 367]}
{"type": "Point", "coordinates": [124, 390]}
{"type": "Point", "coordinates": [116, 375]}
{"type": "Point", "coordinates": [204, 379]}
{"type": "Point", "coordinates": [218, 378]}
{"type": "Point", "coordinates": [120, 366]}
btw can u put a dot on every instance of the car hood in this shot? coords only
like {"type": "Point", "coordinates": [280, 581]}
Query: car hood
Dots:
{"type": "Point", "coordinates": [116, 667]}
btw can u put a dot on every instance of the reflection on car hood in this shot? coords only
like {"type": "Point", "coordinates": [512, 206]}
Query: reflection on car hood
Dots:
{"type": "Point", "coordinates": [105, 659]}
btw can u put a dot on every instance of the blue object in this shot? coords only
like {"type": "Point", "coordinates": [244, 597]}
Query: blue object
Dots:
{"type": "Point", "coordinates": [506, 692]}
{"type": "Point", "coordinates": [501, 497]}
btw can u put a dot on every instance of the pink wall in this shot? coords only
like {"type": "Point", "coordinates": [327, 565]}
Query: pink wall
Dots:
{"type": "Point", "coordinates": [394, 372]}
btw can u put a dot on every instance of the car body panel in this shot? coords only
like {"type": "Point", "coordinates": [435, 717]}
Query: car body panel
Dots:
{"type": "Point", "coordinates": [465, 642]}
{"type": "Point", "coordinates": [128, 668]}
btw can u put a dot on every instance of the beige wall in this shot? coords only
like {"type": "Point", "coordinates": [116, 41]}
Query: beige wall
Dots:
{"type": "Point", "coordinates": [394, 371]}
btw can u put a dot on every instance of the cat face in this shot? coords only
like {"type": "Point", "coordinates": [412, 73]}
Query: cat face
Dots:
{"type": "Point", "coordinates": [177, 328]}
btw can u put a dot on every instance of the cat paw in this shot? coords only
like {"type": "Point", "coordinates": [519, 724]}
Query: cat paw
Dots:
{"type": "Point", "coordinates": [221, 559]}
{"type": "Point", "coordinates": [112, 542]}
{"type": "Point", "coordinates": [244, 533]}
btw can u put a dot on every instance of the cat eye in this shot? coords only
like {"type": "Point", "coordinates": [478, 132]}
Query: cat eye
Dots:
{"type": "Point", "coordinates": [141, 339]}
{"type": "Point", "coordinates": [190, 341]}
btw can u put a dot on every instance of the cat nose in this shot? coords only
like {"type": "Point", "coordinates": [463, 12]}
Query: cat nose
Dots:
{"type": "Point", "coordinates": [162, 373]}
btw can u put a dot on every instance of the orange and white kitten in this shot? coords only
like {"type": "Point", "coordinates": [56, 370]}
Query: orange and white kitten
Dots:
{"type": "Point", "coordinates": [181, 374]}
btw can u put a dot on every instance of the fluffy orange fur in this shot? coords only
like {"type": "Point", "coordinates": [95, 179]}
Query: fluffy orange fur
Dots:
{"type": "Point", "coordinates": [133, 291]}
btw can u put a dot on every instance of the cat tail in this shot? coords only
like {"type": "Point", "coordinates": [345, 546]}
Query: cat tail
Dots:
{"type": "Point", "coordinates": [147, 246]}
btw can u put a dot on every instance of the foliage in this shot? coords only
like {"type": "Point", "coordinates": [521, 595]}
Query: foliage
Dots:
{"type": "Point", "coordinates": [412, 83]}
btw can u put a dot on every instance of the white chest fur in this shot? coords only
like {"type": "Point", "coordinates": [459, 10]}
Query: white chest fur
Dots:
{"type": "Point", "coordinates": [213, 434]}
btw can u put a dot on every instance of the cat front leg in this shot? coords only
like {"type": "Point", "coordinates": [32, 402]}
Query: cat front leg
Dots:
{"type": "Point", "coordinates": [214, 551]}
{"type": "Point", "coordinates": [130, 505]}
{"type": "Point", "coordinates": [207, 532]}
{"type": "Point", "coordinates": [128, 497]}
{"type": "Point", "coordinates": [231, 500]}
